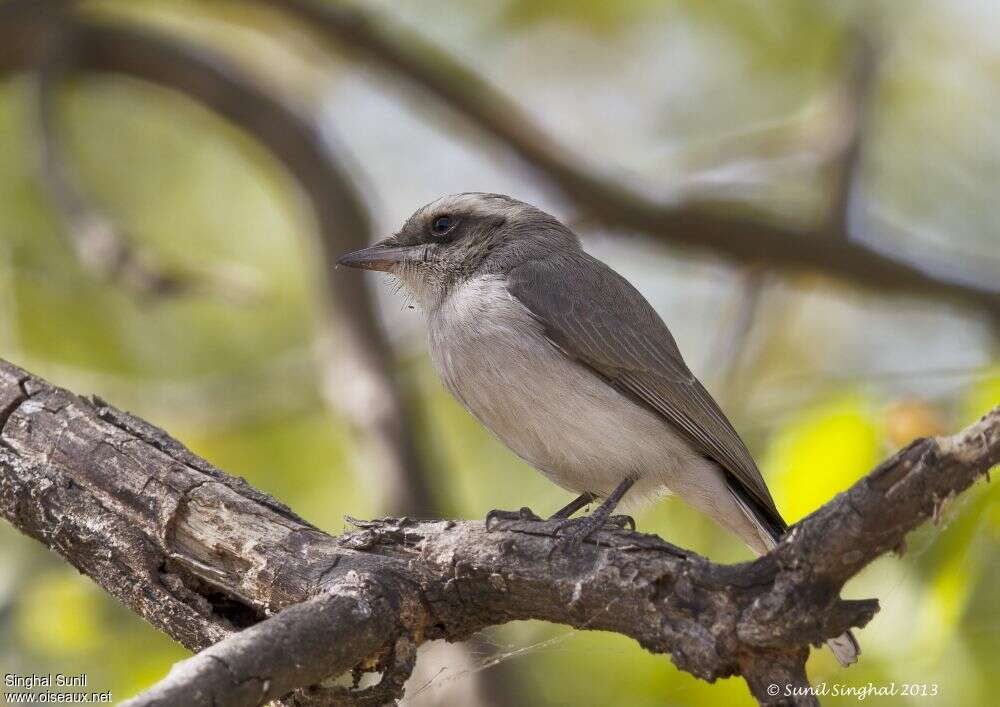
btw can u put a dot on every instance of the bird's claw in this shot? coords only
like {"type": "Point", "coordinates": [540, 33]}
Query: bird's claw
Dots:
{"type": "Point", "coordinates": [571, 533]}
{"type": "Point", "coordinates": [621, 522]}
{"type": "Point", "coordinates": [524, 514]}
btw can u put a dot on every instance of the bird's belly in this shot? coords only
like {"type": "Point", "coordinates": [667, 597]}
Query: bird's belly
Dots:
{"type": "Point", "coordinates": [551, 411]}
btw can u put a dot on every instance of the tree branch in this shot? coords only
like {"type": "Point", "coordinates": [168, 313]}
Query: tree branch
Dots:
{"type": "Point", "coordinates": [356, 364]}
{"type": "Point", "coordinates": [357, 361]}
{"type": "Point", "coordinates": [201, 555]}
{"type": "Point", "coordinates": [730, 230]}
{"type": "Point", "coordinates": [99, 244]}
{"type": "Point", "coordinates": [858, 94]}
{"type": "Point", "coordinates": [296, 647]}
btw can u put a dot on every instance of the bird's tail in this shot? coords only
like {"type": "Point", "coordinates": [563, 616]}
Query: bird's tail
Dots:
{"type": "Point", "coordinates": [845, 646]}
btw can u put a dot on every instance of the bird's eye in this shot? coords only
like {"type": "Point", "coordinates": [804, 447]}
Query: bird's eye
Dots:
{"type": "Point", "coordinates": [442, 224]}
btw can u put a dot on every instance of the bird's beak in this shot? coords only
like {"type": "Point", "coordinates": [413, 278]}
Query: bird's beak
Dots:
{"type": "Point", "coordinates": [381, 256]}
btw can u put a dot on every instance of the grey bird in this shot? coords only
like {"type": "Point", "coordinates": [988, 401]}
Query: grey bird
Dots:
{"type": "Point", "coordinates": [568, 365]}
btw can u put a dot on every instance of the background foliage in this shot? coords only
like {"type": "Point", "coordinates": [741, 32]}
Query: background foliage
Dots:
{"type": "Point", "coordinates": [678, 95]}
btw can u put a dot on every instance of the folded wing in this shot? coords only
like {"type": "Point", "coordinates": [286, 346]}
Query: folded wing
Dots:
{"type": "Point", "coordinates": [603, 322]}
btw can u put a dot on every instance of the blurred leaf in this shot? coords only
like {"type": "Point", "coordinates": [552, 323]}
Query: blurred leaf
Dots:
{"type": "Point", "coordinates": [142, 655]}
{"type": "Point", "coordinates": [199, 195]}
{"type": "Point", "coordinates": [821, 452]}
{"type": "Point", "coordinates": [907, 420]}
{"type": "Point", "coordinates": [773, 32]}
{"type": "Point", "coordinates": [981, 397]}
{"type": "Point", "coordinates": [601, 16]}
{"type": "Point", "coordinates": [621, 668]}
{"type": "Point", "coordinates": [950, 591]}
{"type": "Point", "coordinates": [59, 614]}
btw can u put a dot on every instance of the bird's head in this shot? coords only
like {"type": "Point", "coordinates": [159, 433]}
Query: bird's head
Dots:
{"type": "Point", "coordinates": [458, 237]}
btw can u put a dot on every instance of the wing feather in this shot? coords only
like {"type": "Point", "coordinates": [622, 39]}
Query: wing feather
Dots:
{"type": "Point", "coordinates": [603, 322]}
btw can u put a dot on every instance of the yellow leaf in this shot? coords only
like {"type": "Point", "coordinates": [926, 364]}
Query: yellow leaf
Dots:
{"type": "Point", "coordinates": [820, 453]}
{"type": "Point", "coordinates": [59, 614]}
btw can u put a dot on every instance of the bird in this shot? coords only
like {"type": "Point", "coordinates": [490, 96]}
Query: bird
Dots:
{"type": "Point", "coordinates": [569, 366]}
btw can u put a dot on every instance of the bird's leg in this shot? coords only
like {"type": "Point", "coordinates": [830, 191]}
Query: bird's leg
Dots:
{"type": "Point", "coordinates": [573, 506]}
{"type": "Point", "coordinates": [575, 530]}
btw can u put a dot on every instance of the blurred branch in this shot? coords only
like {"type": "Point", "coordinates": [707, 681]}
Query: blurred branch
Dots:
{"type": "Point", "coordinates": [99, 244]}
{"type": "Point", "coordinates": [202, 555]}
{"type": "Point", "coordinates": [729, 351]}
{"type": "Point", "coordinates": [861, 74]}
{"type": "Point", "coordinates": [358, 363]}
{"type": "Point", "coordinates": [731, 230]}
{"type": "Point", "coordinates": [356, 360]}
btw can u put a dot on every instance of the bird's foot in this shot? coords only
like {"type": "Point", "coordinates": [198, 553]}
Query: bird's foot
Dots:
{"type": "Point", "coordinates": [621, 522]}
{"type": "Point", "coordinates": [524, 514]}
{"type": "Point", "coordinates": [574, 531]}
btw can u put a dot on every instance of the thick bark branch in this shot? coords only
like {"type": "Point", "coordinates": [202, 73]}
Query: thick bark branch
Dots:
{"type": "Point", "coordinates": [272, 658]}
{"type": "Point", "coordinates": [733, 231]}
{"type": "Point", "coordinates": [201, 555]}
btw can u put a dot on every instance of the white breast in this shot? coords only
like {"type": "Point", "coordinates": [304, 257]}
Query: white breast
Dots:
{"type": "Point", "coordinates": [554, 413]}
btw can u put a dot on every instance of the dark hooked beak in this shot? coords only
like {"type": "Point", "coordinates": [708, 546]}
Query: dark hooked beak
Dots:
{"type": "Point", "coordinates": [381, 256]}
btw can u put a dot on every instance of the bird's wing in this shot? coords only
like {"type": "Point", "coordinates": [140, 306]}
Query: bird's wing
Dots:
{"type": "Point", "coordinates": [602, 321]}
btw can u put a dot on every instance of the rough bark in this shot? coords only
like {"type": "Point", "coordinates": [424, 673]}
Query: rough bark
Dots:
{"type": "Point", "coordinates": [202, 555]}
{"type": "Point", "coordinates": [270, 659]}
